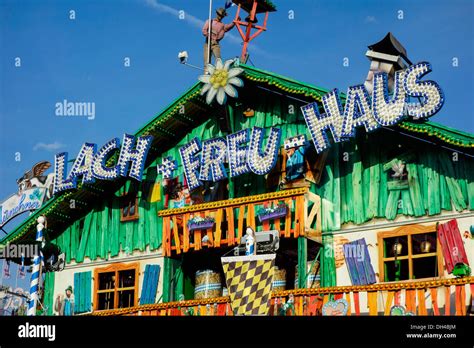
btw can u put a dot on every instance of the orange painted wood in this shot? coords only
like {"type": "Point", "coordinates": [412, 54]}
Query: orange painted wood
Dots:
{"type": "Point", "coordinates": [463, 300]}
{"type": "Point", "coordinates": [301, 214]}
{"type": "Point", "coordinates": [297, 217]}
{"type": "Point", "coordinates": [388, 303]}
{"type": "Point", "coordinates": [355, 295]}
{"type": "Point", "coordinates": [166, 236]}
{"type": "Point", "coordinates": [240, 222]}
{"type": "Point", "coordinates": [434, 300]}
{"type": "Point", "coordinates": [197, 240]}
{"type": "Point", "coordinates": [266, 223]}
{"type": "Point", "coordinates": [288, 220]}
{"type": "Point", "coordinates": [348, 299]}
{"type": "Point", "coordinates": [185, 233]}
{"type": "Point", "coordinates": [457, 300]}
{"type": "Point", "coordinates": [372, 302]}
{"type": "Point", "coordinates": [176, 235]}
{"type": "Point", "coordinates": [460, 300]}
{"type": "Point", "coordinates": [299, 305]}
{"type": "Point", "coordinates": [219, 216]}
{"type": "Point", "coordinates": [338, 296]}
{"type": "Point", "coordinates": [230, 226]}
{"type": "Point", "coordinates": [325, 299]}
{"type": "Point", "coordinates": [410, 301]}
{"type": "Point", "coordinates": [447, 300]}
{"type": "Point", "coordinates": [251, 216]}
{"type": "Point", "coordinates": [397, 297]}
{"type": "Point", "coordinates": [421, 302]}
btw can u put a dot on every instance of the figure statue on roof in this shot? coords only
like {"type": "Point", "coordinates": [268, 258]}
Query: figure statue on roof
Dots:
{"type": "Point", "coordinates": [35, 178]}
{"type": "Point", "coordinates": [218, 30]}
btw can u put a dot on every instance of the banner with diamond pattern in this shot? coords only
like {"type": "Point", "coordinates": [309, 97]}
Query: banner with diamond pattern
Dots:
{"type": "Point", "coordinates": [249, 281]}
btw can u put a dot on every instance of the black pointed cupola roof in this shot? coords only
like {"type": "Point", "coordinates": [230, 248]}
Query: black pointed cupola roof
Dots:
{"type": "Point", "coordinates": [390, 45]}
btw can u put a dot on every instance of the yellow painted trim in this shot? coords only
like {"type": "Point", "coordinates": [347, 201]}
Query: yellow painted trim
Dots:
{"type": "Point", "coordinates": [298, 292]}
{"type": "Point", "coordinates": [234, 202]}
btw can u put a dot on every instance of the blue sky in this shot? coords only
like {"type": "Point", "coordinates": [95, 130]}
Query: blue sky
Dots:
{"type": "Point", "coordinates": [82, 60]}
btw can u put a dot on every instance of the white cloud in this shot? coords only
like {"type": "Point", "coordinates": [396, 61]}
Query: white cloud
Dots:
{"type": "Point", "coordinates": [48, 147]}
{"type": "Point", "coordinates": [370, 19]}
{"type": "Point", "coordinates": [199, 23]}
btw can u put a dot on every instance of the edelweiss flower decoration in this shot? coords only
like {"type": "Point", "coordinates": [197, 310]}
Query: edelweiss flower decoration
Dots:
{"type": "Point", "coordinates": [220, 81]}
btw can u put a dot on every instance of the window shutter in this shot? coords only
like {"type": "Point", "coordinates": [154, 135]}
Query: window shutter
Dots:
{"type": "Point", "coordinates": [150, 284]}
{"type": "Point", "coordinates": [358, 262]}
{"type": "Point", "coordinates": [77, 293]}
{"type": "Point", "coordinates": [82, 289]}
{"type": "Point", "coordinates": [451, 244]}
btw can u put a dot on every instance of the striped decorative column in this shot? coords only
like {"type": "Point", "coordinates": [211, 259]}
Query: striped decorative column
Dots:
{"type": "Point", "coordinates": [35, 275]}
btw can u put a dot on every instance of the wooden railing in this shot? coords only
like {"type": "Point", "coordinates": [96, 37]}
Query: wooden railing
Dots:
{"type": "Point", "coordinates": [233, 216]}
{"type": "Point", "coordinates": [374, 299]}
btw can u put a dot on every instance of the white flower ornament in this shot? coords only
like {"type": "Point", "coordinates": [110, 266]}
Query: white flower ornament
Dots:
{"type": "Point", "coordinates": [220, 81]}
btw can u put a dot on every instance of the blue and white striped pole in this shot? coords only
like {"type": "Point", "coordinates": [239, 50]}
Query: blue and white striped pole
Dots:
{"type": "Point", "coordinates": [35, 275]}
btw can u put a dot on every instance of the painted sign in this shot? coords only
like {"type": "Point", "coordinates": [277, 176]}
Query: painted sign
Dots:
{"type": "Point", "coordinates": [90, 163]}
{"type": "Point", "coordinates": [18, 203]}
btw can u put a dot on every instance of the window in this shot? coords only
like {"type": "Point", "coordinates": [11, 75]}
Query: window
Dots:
{"type": "Point", "coordinates": [129, 207]}
{"type": "Point", "coordinates": [409, 252]}
{"type": "Point", "coordinates": [116, 286]}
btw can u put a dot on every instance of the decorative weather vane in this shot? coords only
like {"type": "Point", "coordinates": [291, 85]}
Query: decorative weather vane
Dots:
{"type": "Point", "coordinates": [252, 7]}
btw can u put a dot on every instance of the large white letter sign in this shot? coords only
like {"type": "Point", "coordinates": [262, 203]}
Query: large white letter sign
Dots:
{"type": "Point", "coordinates": [99, 168]}
{"type": "Point", "coordinates": [190, 161]}
{"type": "Point", "coordinates": [388, 111]}
{"type": "Point", "coordinates": [384, 110]}
{"type": "Point", "coordinates": [60, 169]}
{"type": "Point", "coordinates": [83, 163]}
{"type": "Point", "coordinates": [261, 162]}
{"type": "Point", "coordinates": [212, 160]}
{"type": "Point", "coordinates": [318, 124]}
{"type": "Point", "coordinates": [91, 164]}
{"type": "Point", "coordinates": [137, 156]}
{"type": "Point", "coordinates": [429, 91]}
{"type": "Point", "coordinates": [237, 152]}
{"type": "Point", "coordinates": [357, 111]}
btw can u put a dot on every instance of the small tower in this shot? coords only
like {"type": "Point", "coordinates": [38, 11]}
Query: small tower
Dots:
{"type": "Point", "coordinates": [252, 7]}
{"type": "Point", "coordinates": [388, 55]}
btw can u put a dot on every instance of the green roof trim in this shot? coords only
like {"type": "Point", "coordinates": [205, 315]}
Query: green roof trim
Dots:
{"type": "Point", "coordinates": [443, 133]}
{"type": "Point", "coordinates": [24, 227]}
{"type": "Point", "coordinates": [170, 111]}
{"type": "Point", "coordinates": [285, 84]}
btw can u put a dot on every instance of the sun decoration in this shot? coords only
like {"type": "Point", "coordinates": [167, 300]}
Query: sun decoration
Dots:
{"type": "Point", "coordinates": [220, 81]}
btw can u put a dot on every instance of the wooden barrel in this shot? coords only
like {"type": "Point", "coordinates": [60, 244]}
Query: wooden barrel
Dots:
{"type": "Point", "coordinates": [279, 279]}
{"type": "Point", "coordinates": [208, 285]}
{"type": "Point", "coordinates": [313, 279]}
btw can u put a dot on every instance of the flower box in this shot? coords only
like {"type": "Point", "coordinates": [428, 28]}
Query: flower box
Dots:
{"type": "Point", "coordinates": [199, 223]}
{"type": "Point", "coordinates": [272, 213]}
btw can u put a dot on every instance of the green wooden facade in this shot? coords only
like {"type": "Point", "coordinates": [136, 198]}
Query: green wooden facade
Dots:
{"type": "Point", "coordinates": [356, 185]}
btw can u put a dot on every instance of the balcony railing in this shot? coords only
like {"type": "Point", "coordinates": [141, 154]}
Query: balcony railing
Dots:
{"type": "Point", "coordinates": [234, 215]}
{"type": "Point", "coordinates": [445, 297]}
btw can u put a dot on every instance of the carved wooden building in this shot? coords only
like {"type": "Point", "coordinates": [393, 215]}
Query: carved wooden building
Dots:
{"type": "Point", "coordinates": [381, 213]}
